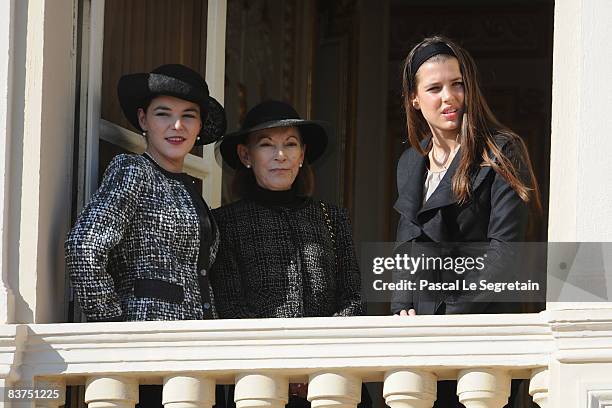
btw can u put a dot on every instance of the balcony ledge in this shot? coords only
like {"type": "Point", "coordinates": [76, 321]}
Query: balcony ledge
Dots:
{"type": "Point", "coordinates": [368, 346]}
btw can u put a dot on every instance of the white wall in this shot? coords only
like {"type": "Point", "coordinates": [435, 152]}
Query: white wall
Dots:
{"type": "Point", "coordinates": [580, 173]}
{"type": "Point", "coordinates": [41, 143]}
{"type": "Point", "coordinates": [590, 385]}
{"type": "Point", "coordinates": [581, 166]}
{"type": "Point", "coordinates": [6, 59]}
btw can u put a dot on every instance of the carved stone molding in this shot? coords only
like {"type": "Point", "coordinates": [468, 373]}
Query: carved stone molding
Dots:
{"type": "Point", "coordinates": [13, 339]}
{"type": "Point", "coordinates": [477, 349]}
{"type": "Point", "coordinates": [600, 398]}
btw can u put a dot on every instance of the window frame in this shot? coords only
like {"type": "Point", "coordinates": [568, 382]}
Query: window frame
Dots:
{"type": "Point", "coordinates": [93, 128]}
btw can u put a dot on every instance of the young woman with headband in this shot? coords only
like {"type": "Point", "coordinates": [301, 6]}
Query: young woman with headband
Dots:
{"type": "Point", "coordinates": [465, 177]}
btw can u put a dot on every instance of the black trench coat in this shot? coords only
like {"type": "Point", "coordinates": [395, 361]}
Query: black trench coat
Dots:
{"type": "Point", "coordinates": [494, 214]}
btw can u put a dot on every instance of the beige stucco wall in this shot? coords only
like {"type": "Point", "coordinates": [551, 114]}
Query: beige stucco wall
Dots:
{"type": "Point", "coordinates": [41, 144]}
{"type": "Point", "coordinates": [6, 59]}
{"type": "Point", "coordinates": [589, 384]}
{"type": "Point", "coordinates": [580, 193]}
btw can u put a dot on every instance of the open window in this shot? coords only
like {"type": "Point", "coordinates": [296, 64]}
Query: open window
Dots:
{"type": "Point", "coordinates": [118, 37]}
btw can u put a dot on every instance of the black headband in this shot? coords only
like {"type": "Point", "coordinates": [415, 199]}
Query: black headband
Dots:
{"type": "Point", "coordinates": [424, 53]}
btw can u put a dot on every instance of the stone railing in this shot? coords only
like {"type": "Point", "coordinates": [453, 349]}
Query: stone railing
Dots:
{"type": "Point", "coordinates": [334, 355]}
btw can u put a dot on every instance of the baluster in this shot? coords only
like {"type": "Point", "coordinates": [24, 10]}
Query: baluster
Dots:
{"type": "Point", "coordinates": [334, 390]}
{"type": "Point", "coordinates": [483, 388]}
{"type": "Point", "coordinates": [410, 389]}
{"type": "Point", "coordinates": [261, 391]}
{"type": "Point", "coordinates": [188, 391]}
{"type": "Point", "coordinates": [538, 386]}
{"type": "Point", "coordinates": [111, 392]}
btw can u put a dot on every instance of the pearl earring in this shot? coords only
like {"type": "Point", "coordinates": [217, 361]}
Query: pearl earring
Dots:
{"type": "Point", "coordinates": [248, 166]}
{"type": "Point", "coordinates": [144, 133]}
{"type": "Point", "coordinates": [300, 164]}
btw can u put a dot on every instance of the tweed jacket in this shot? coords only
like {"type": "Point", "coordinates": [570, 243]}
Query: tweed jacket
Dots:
{"type": "Point", "coordinates": [133, 252]}
{"type": "Point", "coordinates": [285, 262]}
{"type": "Point", "coordinates": [494, 214]}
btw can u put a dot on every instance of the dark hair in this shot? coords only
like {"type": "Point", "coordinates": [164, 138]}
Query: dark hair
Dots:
{"type": "Point", "coordinates": [479, 127]}
{"type": "Point", "coordinates": [146, 102]}
{"type": "Point", "coordinates": [244, 180]}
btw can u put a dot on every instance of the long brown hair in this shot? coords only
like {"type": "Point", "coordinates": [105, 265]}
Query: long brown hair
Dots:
{"type": "Point", "coordinates": [479, 127]}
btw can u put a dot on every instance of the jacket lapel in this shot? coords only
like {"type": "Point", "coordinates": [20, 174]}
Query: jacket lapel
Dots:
{"type": "Point", "coordinates": [480, 176]}
{"type": "Point", "coordinates": [411, 172]}
{"type": "Point", "coordinates": [501, 141]}
{"type": "Point", "coordinates": [443, 195]}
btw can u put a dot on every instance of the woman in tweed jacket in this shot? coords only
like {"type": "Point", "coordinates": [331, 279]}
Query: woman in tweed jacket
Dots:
{"type": "Point", "coordinates": [141, 248]}
{"type": "Point", "coordinates": [282, 254]}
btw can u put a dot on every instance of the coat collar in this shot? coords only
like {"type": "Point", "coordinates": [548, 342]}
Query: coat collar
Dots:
{"type": "Point", "coordinates": [443, 194]}
{"type": "Point", "coordinates": [412, 175]}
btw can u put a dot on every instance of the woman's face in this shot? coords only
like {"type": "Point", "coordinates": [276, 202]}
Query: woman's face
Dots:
{"type": "Point", "coordinates": [440, 96]}
{"type": "Point", "coordinates": [275, 156]}
{"type": "Point", "coordinates": [172, 125]}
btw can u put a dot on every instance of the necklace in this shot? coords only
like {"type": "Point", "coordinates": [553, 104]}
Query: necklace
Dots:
{"type": "Point", "coordinates": [443, 164]}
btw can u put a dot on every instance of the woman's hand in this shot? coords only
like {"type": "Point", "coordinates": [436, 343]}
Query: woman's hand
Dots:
{"type": "Point", "coordinates": [410, 312]}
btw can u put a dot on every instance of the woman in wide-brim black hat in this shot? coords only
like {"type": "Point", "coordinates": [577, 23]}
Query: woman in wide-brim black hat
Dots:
{"type": "Point", "coordinates": [282, 253]}
{"type": "Point", "coordinates": [141, 248]}
{"type": "Point", "coordinates": [269, 116]}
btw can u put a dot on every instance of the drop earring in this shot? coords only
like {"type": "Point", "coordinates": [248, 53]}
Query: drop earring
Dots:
{"type": "Point", "coordinates": [300, 165]}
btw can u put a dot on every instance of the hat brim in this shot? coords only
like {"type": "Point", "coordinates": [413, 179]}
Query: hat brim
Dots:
{"type": "Point", "coordinates": [134, 89]}
{"type": "Point", "coordinates": [313, 134]}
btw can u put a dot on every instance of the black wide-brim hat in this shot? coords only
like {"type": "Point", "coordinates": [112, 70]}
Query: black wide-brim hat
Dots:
{"type": "Point", "coordinates": [274, 114]}
{"type": "Point", "coordinates": [176, 80]}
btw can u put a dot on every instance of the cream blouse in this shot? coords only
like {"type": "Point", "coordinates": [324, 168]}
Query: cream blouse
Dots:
{"type": "Point", "coordinates": [432, 181]}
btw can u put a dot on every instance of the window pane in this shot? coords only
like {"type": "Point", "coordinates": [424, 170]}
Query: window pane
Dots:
{"type": "Point", "coordinates": [140, 35]}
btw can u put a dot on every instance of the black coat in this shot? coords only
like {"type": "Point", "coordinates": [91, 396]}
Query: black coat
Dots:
{"type": "Point", "coordinates": [494, 214]}
{"type": "Point", "coordinates": [285, 262]}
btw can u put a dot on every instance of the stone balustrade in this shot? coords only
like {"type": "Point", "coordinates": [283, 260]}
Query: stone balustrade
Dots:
{"type": "Point", "coordinates": [334, 355]}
